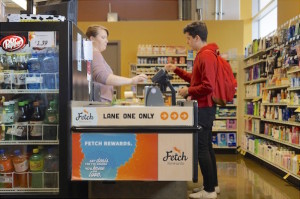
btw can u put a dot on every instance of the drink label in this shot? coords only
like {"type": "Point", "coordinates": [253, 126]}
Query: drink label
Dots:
{"type": "Point", "coordinates": [5, 166]}
{"type": "Point", "coordinates": [36, 128]}
{"type": "Point", "coordinates": [20, 78]}
{"type": "Point", "coordinates": [21, 167]}
{"type": "Point", "coordinates": [52, 118]}
{"type": "Point", "coordinates": [1, 77]}
{"type": "Point", "coordinates": [36, 165]}
{"type": "Point", "coordinates": [34, 80]}
{"type": "Point", "coordinates": [5, 179]}
{"type": "Point", "coordinates": [19, 130]}
{"type": "Point", "coordinates": [8, 78]}
{"type": "Point", "coordinates": [8, 118]}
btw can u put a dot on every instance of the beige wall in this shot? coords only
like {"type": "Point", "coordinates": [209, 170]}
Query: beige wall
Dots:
{"type": "Point", "coordinates": [246, 16]}
{"type": "Point", "coordinates": [287, 9]}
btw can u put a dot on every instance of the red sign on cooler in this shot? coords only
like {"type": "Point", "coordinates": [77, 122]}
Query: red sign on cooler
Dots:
{"type": "Point", "coordinates": [12, 43]}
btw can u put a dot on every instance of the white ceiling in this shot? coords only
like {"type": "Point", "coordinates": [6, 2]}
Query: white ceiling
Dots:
{"type": "Point", "coordinates": [11, 4]}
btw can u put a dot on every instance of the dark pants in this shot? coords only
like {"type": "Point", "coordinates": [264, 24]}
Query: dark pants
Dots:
{"type": "Point", "coordinates": [206, 155]}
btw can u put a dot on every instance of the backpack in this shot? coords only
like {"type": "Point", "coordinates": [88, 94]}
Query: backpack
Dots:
{"type": "Point", "coordinates": [225, 82]}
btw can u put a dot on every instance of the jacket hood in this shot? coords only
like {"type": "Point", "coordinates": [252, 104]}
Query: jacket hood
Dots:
{"type": "Point", "coordinates": [211, 46]}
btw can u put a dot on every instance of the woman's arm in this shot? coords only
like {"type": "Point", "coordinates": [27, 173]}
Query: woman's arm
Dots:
{"type": "Point", "coordinates": [116, 80]}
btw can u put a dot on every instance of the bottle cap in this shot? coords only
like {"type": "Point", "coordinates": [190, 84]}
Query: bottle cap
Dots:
{"type": "Point", "coordinates": [26, 102]}
{"type": "Point", "coordinates": [17, 152]}
{"type": "Point", "coordinates": [36, 103]}
{"type": "Point", "coordinates": [35, 151]}
{"type": "Point", "coordinates": [21, 104]}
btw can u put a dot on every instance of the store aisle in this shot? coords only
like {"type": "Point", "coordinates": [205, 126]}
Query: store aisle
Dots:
{"type": "Point", "coordinates": [242, 178]}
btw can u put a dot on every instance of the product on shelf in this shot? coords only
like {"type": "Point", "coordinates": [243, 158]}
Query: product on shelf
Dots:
{"type": "Point", "coordinates": [6, 169]}
{"type": "Point", "coordinates": [21, 167]}
{"type": "Point", "coordinates": [36, 163]}
{"type": "Point", "coordinates": [51, 169]}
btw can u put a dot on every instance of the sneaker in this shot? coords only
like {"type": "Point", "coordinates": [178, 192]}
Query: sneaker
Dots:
{"type": "Point", "coordinates": [204, 195]}
{"type": "Point", "coordinates": [195, 190]}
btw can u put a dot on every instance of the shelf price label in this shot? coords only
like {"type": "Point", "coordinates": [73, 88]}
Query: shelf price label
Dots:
{"type": "Point", "coordinates": [42, 39]}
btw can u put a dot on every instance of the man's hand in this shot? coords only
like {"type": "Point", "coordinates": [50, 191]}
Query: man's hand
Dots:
{"type": "Point", "coordinates": [170, 67]}
{"type": "Point", "coordinates": [183, 91]}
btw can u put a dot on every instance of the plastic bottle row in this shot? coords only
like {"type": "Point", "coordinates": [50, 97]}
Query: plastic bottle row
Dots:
{"type": "Point", "coordinates": [32, 170]}
{"type": "Point", "coordinates": [25, 80]}
{"type": "Point", "coordinates": [23, 132]}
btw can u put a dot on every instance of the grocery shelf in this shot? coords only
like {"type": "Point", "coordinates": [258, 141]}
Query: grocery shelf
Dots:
{"type": "Point", "coordinates": [253, 116]}
{"type": "Point", "coordinates": [224, 130]}
{"type": "Point", "coordinates": [29, 142]}
{"type": "Point", "coordinates": [224, 147]}
{"type": "Point", "coordinates": [274, 104]}
{"type": "Point", "coordinates": [223, 118]}
{"type": "Point", "coordinates": [276, 87]}
{"type": "Point", "coordinates": [293, 71]}
{"type": "Point", "coordinates": [271, 47]}
{"type": "Point", "coordinates": [28, 91]}
{"type": "Point", "coordinates": [255, 54]}
{"type": "Point", "coordinates": [161, 55]}
{"type": "Point", "coordinates": [293, 106]}
{"type": "Point", "coordinates": [256, 81]}
{"type": "Point", "coordinates": [254, 63]}
{"type": "Point", "coordinates": [294, 88]}
{"type": "Point", "coordinates": [273, 164]}
{"type": "Point", "coordinates": [36, 190]}
{"type": "Point", "coordinates": [282, 122]}
{"type": "Point", "coordinates": [228, 105]}
{"type": "Point", "coordinates": [297, 146]}
{"type": "Point", "coordinates": [253, 98]}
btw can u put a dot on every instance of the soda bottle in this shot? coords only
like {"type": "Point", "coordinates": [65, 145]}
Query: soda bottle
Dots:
{"type": "Point", "coordinates": [22, 123]}
{"type": "Point", "coordinates": [50, 132]}
{"type": "Point", "coordinates": [34, 68]}
{"type": "Point", "coordinates": [21, 167]}
{"type": "Point", "coordinates": [51, 169]}
{"type": "Point", "coordinates": [8, 119]}
{"type": "Point", "coordinates": [36, 123]}
{"type": "Point", "coordinates": [6, 170]}
{"type": "Point", "coordinates": [20, 72]}
{"type": "Point", "coordinates": [36, 165]}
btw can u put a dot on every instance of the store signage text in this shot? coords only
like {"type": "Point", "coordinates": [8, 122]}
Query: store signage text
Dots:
{"type": "Point", "coordinates": [128, 116]}
{"type": "Point", "coordinates": [12, 43]}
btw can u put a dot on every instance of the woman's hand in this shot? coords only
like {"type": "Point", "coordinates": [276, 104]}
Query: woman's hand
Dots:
{"type": "Point", "coordinates": [170, 67]}
{"type": "Point", "coordinates": [139, 78]}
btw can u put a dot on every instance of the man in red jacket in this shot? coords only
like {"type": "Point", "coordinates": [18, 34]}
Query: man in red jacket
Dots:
{"type": "Point", "coordinates": [202, 83]}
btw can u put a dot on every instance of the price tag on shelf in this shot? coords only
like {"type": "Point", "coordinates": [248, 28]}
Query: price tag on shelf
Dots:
{"type": "Point", "coordinates": [297, 110]}
{"type": "Point", "coordinates": [286, 176]}
{"type": "Point", "coordinates": [42, 39]}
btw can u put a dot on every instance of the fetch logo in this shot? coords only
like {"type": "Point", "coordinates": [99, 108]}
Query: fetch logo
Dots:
{"type": "Point", "coordinates": [175, 155]}
{"type": "Point", "coordinates": [84, 116]}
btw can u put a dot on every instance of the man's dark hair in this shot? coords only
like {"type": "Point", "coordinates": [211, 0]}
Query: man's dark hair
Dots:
{"type": "Point", "coordinates": [197, 28]}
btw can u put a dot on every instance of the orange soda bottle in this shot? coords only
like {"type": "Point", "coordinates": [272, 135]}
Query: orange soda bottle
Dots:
{"type": "Point", "coordinates": [6, 170]}
{"type": "Point", "coordinates": [21, 167]}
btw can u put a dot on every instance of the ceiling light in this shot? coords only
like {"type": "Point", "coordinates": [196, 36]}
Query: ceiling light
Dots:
{"type": "Point", "coordinates": [21, 3]}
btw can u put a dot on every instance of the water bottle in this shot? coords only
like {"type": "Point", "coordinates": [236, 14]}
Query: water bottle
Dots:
{"type": "Point", "coordinates": [49, 69]}
{"type": "Point", "coordinates": [34, 78]}
{"type": "Point", "coordinates": [51, 169]}
{"type": "Point", "coordinates": [8, 119]}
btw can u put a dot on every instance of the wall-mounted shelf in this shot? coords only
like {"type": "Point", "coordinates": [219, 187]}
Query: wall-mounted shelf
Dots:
{"type": "Point", "coordinates": [275, 87]}
{"type": "Point", "coordinates": [281, 122]}
{"type": "Point", "coordinates": [224, 130]}
{"type": "Point", "coordinates": [294, 88]}
{"type": "Point", "coordinates": [252, 116]}
{"type": "Point", "coordinates": [256, 81]}
{"type": "Point", "coordinates": [255, 54]}
{"type": "Point", "coordinates": [254, 63]}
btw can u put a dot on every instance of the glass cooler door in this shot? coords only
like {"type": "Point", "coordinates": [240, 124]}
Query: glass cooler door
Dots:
{"type": "Point", "coordinates": [29, 112]}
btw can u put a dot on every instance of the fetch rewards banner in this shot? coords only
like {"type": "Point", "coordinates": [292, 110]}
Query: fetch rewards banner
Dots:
{"type": "Point", "coordinates": [130, 156]}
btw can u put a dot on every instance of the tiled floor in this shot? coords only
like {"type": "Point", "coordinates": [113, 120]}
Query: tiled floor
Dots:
{"type": "Point", "coordinates": [243, 178]}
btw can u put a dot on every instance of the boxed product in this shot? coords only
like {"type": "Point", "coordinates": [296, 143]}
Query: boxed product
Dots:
{"type": "Point", "coordinates": [219, 125]}
{"type": "Point", "coordinates": [34, 18]}
{"type": "Point", "coordinates": [231, 124]}
{"type": "Point", "coordinates": [222, 140]}
{"type": "Point", "coordinates": [231, 139]}
{"type": "Point", "coordinates": [215, 140]}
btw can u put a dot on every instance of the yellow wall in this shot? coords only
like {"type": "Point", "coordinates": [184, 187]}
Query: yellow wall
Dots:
{"type": "Point", "coordinates": [227, 34]}
{"type": "Point", "coordinates": [287, 9]}
{"type": "Point", "coordinates": [246, 15]}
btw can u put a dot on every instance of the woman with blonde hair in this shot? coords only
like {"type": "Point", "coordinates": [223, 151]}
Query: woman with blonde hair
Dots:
{"type": "Point", "coordinates": [103, 77]}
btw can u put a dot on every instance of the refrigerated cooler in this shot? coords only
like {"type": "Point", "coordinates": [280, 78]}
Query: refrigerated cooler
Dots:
{"type": "Point", "coordinates": [43, 66]}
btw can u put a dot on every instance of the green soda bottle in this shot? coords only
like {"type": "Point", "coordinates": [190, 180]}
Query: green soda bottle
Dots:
{"type": "Point", "coordinates": [51, 121]}
{"type": "Point", "coordinates": [36, 166]}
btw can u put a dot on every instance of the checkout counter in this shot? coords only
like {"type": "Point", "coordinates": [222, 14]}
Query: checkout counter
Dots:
{"type": "Point", "coordinates": [151, 148]}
